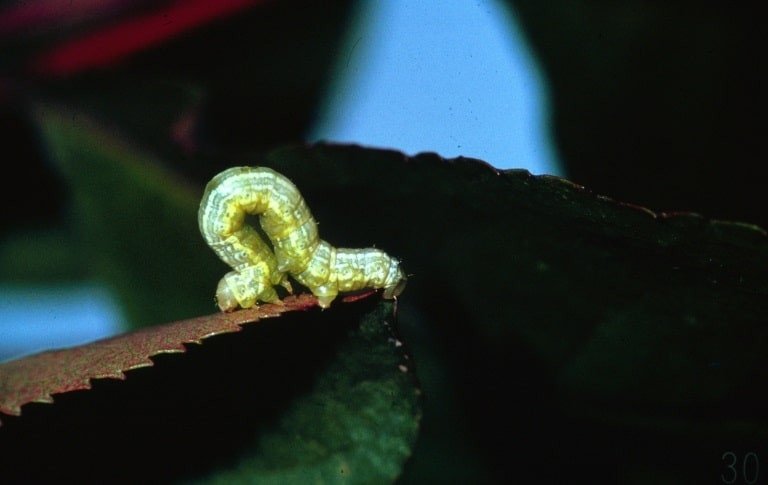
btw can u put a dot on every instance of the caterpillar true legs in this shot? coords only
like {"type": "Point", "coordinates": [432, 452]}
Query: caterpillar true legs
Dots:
{"type": "Point", "coordinates": [298, 250]}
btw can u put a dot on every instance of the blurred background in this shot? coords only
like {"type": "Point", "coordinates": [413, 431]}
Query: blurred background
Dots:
{"type": "Point", "coordinates": [461, 81]}
{"type": "Point", "coordinates": [650, 103]}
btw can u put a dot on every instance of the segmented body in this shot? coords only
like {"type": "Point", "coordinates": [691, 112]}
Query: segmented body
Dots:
{"type": "Point", "coordinates": [285, 218]}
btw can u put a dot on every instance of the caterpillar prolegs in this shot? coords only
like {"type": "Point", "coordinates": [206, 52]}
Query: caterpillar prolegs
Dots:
{"type": "Point", "coordinates": [285, 218]}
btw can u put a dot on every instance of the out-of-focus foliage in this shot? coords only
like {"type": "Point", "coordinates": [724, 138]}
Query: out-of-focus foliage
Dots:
{"type": "Point", "coordinates": [658, 103]}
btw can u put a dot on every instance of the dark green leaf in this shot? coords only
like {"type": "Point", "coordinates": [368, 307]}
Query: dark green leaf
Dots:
{"type": "Point", "coordinates": [562, 322]}
{"type": "Point", "coordinates": [137, 221]}
{"type": "Point", "coordinates": [357, 426]}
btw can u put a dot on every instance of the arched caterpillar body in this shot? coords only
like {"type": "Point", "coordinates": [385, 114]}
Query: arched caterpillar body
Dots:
{"type": "Point", "coordinates": [298, 250]}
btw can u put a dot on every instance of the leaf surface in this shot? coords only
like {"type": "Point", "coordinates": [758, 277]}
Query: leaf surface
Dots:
{"type": "Point", "coordinates": [541, 309]}
{"type": "Point", "coordinates": [38, 377]}
{"type": "Point", "coordinates": [310, 396]}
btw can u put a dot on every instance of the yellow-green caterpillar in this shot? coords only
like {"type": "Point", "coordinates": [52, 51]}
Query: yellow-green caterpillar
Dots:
{"type": "Point", "coordinates": [298, 251]}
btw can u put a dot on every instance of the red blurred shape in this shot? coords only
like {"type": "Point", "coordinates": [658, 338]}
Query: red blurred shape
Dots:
{"type": "Point", "coordinates": [110, 44]}
{"type": "Point", "coordinates": [31, 17]}
{"type": "Point", "coordinates": [183, 129]}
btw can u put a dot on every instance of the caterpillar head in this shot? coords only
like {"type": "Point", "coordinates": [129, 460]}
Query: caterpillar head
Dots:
{"type": "Point", "coordinates": [396, 280]}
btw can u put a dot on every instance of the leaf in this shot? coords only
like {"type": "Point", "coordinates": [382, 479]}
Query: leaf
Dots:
{"type": "Point", "coordinates": [38, 377]}
{"type": "Point", "coordinates": [36, 16]}
{"type": "Point", "coordinates": [129, 208]}
{"type": "Point", "coordinates": [556, 316]}
{"type": "Point", "coordinates": [113, 43]}
{"type": "Point", "coordinates": [39, 257]}
{"type": "Point", "coordinates": [620, 123]}
{"type": "Point", "coordinates": [315, 394]}
{"type": "Point", "coordinates": [357, 425]}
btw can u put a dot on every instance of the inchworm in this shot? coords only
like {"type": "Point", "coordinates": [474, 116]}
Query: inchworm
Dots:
{"type": "Point", "coordinates": [285, 218]}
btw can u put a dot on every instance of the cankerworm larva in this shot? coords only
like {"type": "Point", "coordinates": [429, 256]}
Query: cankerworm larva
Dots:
{"type": "Point", "coordinates": [285, 218]}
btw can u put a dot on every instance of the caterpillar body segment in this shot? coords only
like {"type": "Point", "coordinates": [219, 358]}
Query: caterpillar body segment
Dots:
{"type": "Point", "coordinates": [288, 223]}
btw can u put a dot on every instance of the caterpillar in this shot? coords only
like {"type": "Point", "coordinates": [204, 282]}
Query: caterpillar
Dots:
{"type": "Point", "coordinates": [296, 248]}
